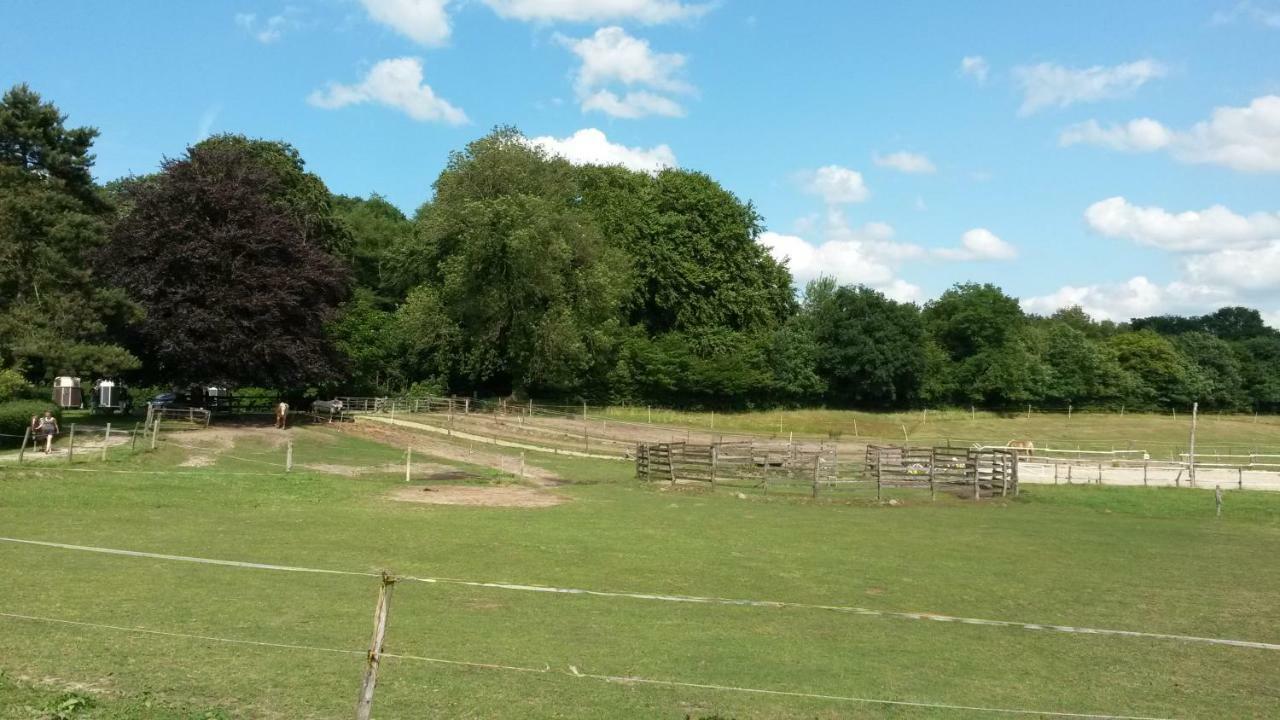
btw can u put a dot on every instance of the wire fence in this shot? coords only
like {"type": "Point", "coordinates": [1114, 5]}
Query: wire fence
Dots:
{"type": "Point", "coordinates": [383, 626]}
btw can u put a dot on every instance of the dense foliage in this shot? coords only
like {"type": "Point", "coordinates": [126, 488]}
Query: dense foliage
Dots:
{"type": "Point", "coordinates": [15, 418]}
{"type": "Point", "coordinates": [522, 274]}
{"type": "Point", "coordinates": [55, 316]}
{"type": "Point", "coordinates": [230, 251]}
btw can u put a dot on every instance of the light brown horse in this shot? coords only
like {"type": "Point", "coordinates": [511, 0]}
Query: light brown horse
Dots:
{"type": "Point", "coordinates": [1022, 447]}
{"type": "Point", "coordinates": [282, 415]}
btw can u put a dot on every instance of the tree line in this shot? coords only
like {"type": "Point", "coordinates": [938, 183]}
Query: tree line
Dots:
{"type": "Point", "coordinates": [522, 274]}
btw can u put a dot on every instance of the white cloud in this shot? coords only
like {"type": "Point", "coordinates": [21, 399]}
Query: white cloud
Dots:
{"type": "Point", "coordinates": [1241, 138]}
{"type": "Point", "coordinates": [1136, 297]}
{"type": "Point", "coordinates": [1141, 135]}
{"type": "Point", "coordinates": [871, 255]}
{"type": "Point", "coordinates": [632, 105]}
{"type": "Point", "coordinates": [848, 261]}
{"type": "Point", "coordinates": [396, 83]}
{"type": "Point", "coordinates": [646, 11]}
{"type": "Point", "coordinates": [611, 57]}
{"type": "Point", "coordinates": [1051, 85]}
{"type": "Point", "coordinates": [1231, 259]}
{"type": "Point", "coordinates": [905, 162]}
{"type": "Point", "coordinates": [590, 146]}
{"type": "Point", "coordinates": [1268, 17]}
{"type": "Point", "coordinates": [1214, 228]}
{"type": "Point", "coordinates": [1248, 270]}
{"type": "Point", "coordinates": [836, 185]}
{"type": "Point", "coordinates": [425, 22]}
{"type": "Point", "coordinates": [269, 30]}
{"type": "Point", "coordinates": [976, 67]}
{"type": "Point", "coordinates": [979, 244]}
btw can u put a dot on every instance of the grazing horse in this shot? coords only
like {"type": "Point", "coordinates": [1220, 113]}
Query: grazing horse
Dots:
{"type": "Point", "coordinates": [327, 406]}
{"type": "Point", "coordinates": [1022, 447]}
{"type": "Point", "coordinates": [282, 415]}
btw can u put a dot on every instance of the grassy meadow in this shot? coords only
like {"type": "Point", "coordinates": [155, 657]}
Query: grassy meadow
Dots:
{"type": "Point", "coordinates": [1154, 560]}
{"type": "Point", "coordinates": [1161, 434]}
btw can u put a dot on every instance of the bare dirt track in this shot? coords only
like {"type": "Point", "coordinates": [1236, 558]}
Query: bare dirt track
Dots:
{"type": "Point", "coordinates": [420, 442]}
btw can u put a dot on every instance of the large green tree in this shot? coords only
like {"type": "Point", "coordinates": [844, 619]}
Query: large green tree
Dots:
{"type": "Point", "coordinates": [869, 348]}
{"type": "Point", "coordinates": [696, 264]}
{"type": "Point", "coordinates": [376, 227]}
{"type": "Point", "coordinates": [55, 316]}
{"type": "Point", "coordinates": [519, 269]}
{"type": "Point", "coordinates": [234, 252]}
{"type": "Point", "coordinates": [1163, 376]}
{"type": "Point", "coordinates": [971, 318]}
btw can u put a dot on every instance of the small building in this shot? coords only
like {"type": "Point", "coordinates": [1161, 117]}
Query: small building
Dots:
{"type": "Point", "coordinates": [67, 393]}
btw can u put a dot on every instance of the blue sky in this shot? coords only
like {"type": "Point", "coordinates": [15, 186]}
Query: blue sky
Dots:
{"type": "Point", "coordinates": [1123, 156]}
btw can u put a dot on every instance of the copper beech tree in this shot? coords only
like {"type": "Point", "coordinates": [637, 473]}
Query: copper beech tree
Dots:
{"type": "Point", "coordinates": [232, 251]}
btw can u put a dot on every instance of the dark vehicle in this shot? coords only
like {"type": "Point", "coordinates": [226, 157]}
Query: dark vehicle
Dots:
{"type": "Point", "coordinates": [168, 400]}
{"type": "Point", "coordinates": [207, 397]}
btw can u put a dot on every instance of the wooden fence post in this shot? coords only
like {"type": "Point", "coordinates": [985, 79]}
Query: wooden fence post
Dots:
{"type": "Point", "coordinates": [715, 456]}
{"type": "Point", "coordinates": [1217, 500]}
{"type": "Point", "coordinates": [1099, 473]}
{"type": "Point", "coordinates": [364, 705]}
{"type": "Point", "coordinates": [879, 462]}
{"type": "Point", "coordinates": [522, 466]}
{"type": "Point", "coordinates": [106, 440]}
{"type": "Point", "coordinates": [133, 446]}
{"type": "Point", "coordinates": [817, 468]}
{"type": "Point", "coordinates": [933, 460]}
{"type": "Point", "coordinates": [1017, 480]}
{"type": "Point", "coordinates": [71, 443]}
{"type": "Point", "coordinates": [1240, 478]}
{"type": "Point", "coordinates": [26, 437]}
{"type": "Point", "coordinates": [155, 432]}
{"type": "Point", "coordinates": [977, 473]}
{"type": "Point", "coordinates": [1145, 463]}
{"type": "Point", "coordinates": [766, 472]}
{"type": "Point", "coordinates": [288, 456]}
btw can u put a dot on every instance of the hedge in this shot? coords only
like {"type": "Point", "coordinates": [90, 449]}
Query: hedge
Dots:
{"type": "Point", "coordinates": [15, 416]}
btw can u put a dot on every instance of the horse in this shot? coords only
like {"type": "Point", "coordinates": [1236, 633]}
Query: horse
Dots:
{"type": "Point", "coordinates": [1022, 447]}
{"type": "Point", "coordinates": [282, 415]}
{"type": "Point", "coordinates": [327, 406]}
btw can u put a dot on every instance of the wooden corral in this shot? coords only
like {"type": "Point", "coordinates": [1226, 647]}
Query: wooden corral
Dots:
{"type": "Point", "coordinates": [738, 463]}
{"type": "Point", "coordinates": [966, 472]}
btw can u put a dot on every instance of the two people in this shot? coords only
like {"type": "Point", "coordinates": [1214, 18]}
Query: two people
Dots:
{"type": "Point", "coordinates": [45, 427]}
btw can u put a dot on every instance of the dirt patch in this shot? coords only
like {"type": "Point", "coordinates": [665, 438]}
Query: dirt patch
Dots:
{"type": "Point", "coordinates": [479, 496]}
{"type": "Point", "coordinates": [424, 471]}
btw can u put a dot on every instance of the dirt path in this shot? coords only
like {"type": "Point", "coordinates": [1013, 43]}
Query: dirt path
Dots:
{"type": "Point", "coordinates": [421, 442]}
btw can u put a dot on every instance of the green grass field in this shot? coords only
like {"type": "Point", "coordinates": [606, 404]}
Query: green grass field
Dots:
{"type": "Point", "coordinates": [1162, 434]}
{"type": "Point", "coordinates": [1117, 558]}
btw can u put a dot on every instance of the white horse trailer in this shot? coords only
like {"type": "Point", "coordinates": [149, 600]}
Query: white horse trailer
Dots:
{"type": "Point", "coordinates": [67, 392]}
{"type": "Point", "coordinates": [110, 397]}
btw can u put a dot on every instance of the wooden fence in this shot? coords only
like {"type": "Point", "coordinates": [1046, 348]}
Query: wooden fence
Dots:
{"type": "Point", "coordinates": [976, 472]}
{"type": "Point", "coordinates": [739, 463]}
{"type": "Point", "coordinates": [986, 471]}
